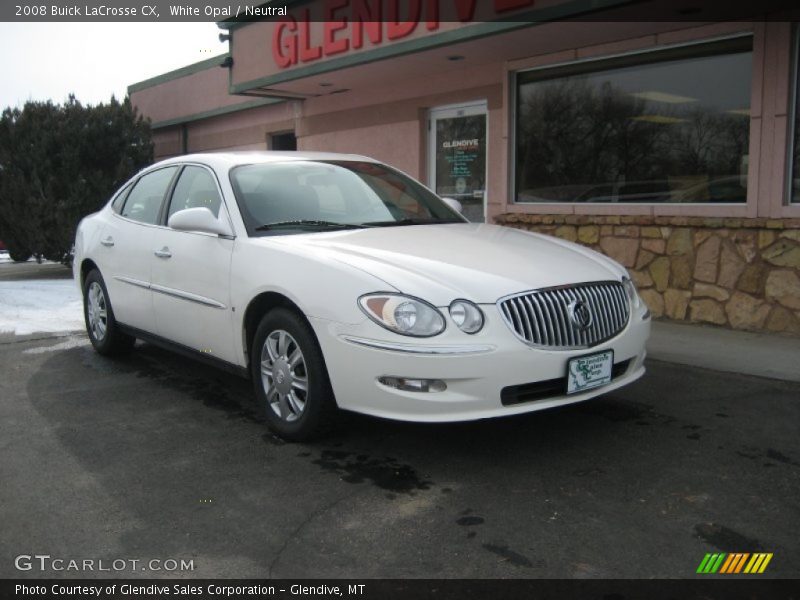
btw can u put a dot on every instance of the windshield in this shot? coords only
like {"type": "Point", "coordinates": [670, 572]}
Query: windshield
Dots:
{"type": "Point", "coordinates": [298, 196]}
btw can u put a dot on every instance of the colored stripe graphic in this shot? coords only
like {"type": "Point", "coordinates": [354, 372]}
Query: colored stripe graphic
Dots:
{"type": "Point", "coordinates": [764, 564]}
{"type": "Point", "coordinates": [740, 563]}
{"type": "Point", "coordinates": [755, 562]}
{"type": "Point", "coordinates": [727, 564]}
{"type": "Point", "coordinates": [717, 563]}
{"type": "Point", "coordinates": [711, 563]}
{"type": "Point", "coordinates": [704, 563]}
{"type": "Point", "coordinates": [734, 563]}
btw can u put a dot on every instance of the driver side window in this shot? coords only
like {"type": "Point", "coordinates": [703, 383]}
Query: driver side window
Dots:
{"type": "Point", "coordinates": [196, 188]}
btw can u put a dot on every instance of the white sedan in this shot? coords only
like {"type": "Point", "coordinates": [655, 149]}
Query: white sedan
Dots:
{"type": "Point", "coordinates": [336, 282]}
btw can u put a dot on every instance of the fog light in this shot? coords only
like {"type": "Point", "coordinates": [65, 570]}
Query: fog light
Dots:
{"type": "Point", "coordinates": [408, 384]}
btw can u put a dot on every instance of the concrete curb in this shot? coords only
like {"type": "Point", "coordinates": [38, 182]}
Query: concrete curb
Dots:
{"type": "Point", "coordinates": [760, 354]}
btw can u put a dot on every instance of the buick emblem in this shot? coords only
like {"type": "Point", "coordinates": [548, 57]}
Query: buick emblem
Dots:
{"type": "Point", "coordinates": [579, 314]}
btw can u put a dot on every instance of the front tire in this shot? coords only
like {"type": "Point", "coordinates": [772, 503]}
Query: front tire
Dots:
{"type": "Point", "coordinates": [104, 333]}
{"type": "Point", "coordinates": [290, 378]}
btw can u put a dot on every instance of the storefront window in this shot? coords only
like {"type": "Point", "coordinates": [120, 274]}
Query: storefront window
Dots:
{"type": "Point", "coordinates": [656, 127]}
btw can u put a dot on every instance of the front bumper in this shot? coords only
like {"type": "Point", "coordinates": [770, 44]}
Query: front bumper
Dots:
{"type": "Point", "coordinates": [476, 368]}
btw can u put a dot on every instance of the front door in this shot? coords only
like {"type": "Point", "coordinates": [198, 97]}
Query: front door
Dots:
{"type": "Point", "coordinates": [191, 272]}
{"type": "Point", "coordinates": [457, 156]}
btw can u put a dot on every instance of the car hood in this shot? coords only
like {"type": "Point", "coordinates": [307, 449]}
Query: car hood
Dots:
{"type": "Point", "coordinates": [478, 262]}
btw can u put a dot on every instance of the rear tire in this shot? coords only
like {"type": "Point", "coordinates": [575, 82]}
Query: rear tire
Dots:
{"type": "Point", "coordinates": [290, 377]}
{"type": "Point", "coordinates": [104, 333]}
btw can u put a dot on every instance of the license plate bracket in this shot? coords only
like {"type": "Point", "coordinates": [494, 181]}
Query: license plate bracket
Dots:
{"type": "Point", "coordinates": [589, 371]}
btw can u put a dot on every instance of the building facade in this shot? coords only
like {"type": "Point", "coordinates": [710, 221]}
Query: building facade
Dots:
{"type": "Point", "coordinates": [671, 146]}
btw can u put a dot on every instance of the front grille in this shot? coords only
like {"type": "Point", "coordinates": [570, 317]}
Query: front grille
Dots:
{"type": "Point", "coordinates": [543, 317]}
{"type": "Point", "coordinates": [551, 388]}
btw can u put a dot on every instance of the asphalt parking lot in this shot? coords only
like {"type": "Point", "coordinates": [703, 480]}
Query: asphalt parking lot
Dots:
{"type": "Point", "coordinates": [155, 456]}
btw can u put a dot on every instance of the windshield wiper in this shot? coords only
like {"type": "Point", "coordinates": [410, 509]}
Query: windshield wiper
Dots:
{"type": "Point", "coordinates": [307, 223]}
{"type": "Point", "coordinates": [409, 221]}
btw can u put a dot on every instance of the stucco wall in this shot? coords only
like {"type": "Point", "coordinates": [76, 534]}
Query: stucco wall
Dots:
{"type": "Point", "coordinates": [388, 143]}
{"type": "Point", "coordinates": [195, 93]}
{"type": "Point", "coordinates": [166, 142]}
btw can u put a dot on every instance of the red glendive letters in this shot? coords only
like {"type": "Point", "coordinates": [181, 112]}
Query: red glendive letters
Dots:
{"type": "Point", "coordinates": [347, 24]}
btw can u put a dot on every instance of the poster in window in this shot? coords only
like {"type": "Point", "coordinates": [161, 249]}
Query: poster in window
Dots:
{"type": "Point", "coordinates": [461, 162]}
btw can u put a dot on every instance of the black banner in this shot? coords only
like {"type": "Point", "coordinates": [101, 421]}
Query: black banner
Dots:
{"type": "Point", "coordinates": [227, 12]}
{"type": "Point", "coordinates": [731, 588]}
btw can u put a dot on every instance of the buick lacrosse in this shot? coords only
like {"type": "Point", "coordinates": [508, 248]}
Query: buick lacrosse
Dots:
{"type": "Point", "coordinates": [336, 282]}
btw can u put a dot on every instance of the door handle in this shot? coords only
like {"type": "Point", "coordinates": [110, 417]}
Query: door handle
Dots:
{"type": "Point", "coordinates": [163, 253]}
{"type": "Point", "coordinates": [107, 241]}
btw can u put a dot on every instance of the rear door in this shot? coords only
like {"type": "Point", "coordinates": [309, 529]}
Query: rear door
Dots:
{"type": "Point", "coordinates": [191, 271]}
{"type": "Point", "coordinates": [125, 252]}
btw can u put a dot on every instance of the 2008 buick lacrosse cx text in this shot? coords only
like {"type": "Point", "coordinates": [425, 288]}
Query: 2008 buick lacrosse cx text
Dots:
{"type": "Point", "coordinates": [337, 282]}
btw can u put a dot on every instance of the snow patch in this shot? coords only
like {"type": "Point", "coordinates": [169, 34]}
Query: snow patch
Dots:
{"type": "Point", "coordinates": [5, 258]}
{"type": "Point", "coordinates": [72, 342]}
{"type": "Point", "coordinates": [40, 306]}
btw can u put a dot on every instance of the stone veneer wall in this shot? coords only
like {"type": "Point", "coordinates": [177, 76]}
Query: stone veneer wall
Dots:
{"type": "Point", "coordinates": [738, 273]}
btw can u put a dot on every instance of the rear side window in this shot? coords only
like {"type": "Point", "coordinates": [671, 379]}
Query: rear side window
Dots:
{"type": "Point", "coordinates": [144, 201]}
{"type": "Point", "coordinates": [119, 200]}
{"type": "Point", "coordinates": [196, 188]}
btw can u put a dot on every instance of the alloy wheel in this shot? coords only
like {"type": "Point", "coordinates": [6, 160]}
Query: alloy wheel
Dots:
{"type": "Point", "coordinates": [97, 311]}
{"type": "Point", "coordinates": [284, 375]}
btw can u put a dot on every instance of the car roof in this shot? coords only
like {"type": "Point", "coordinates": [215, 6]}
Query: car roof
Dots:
{"type": "Point", "coordinates": [229, 159]}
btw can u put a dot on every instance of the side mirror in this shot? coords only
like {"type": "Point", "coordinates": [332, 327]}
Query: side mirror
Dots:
{"type": "Point", "coordinates": [454, 204]}
{"type": "Point", "coordinates": [198, 219]}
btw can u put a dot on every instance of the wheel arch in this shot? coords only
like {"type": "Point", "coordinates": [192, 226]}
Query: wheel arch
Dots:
{"type": "Point", "coordinates": [87, 266]}
{"type": "Point", "coordinates": [257, 308]}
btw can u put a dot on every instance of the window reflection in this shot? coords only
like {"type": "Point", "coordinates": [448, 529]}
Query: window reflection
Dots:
{"type": "Point", "coordinates": [794, 190]}
{"type": "Point", "coordinates": [673, 130]}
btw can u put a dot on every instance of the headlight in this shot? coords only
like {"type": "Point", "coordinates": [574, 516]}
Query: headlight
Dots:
{"type": "Point", "coordinates": [466, 315]}
{"type": "Point", "coordinates": [403, 314]}
{"type": "Point", "coordinates": [630, 289]}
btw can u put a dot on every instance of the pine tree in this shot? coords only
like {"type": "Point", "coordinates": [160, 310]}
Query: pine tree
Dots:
{"type": "Point", "coordinates": [59, 163]}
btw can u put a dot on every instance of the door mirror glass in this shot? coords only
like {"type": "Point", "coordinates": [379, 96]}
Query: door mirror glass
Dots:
{"type": "Point", "coordinates": [198, 219]}
{"type": "Point", "coordinates": [454, 204]}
